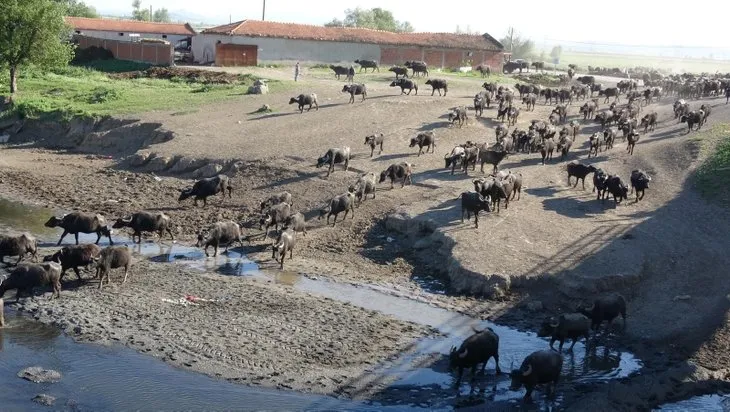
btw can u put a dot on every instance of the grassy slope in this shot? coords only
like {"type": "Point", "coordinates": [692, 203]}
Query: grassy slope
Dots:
{"type": "Point", "coordinates": [714, 174]}
{"type": "Point", "coordinates": [86, 92]}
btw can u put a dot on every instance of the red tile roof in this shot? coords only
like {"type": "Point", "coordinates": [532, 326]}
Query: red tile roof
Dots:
{"type": "Point", "coordinates": [129, 26]}
{"type": "Point", "coordinates": [255, 28]}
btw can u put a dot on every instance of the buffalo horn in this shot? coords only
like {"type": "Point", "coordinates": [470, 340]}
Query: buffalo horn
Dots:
{"type": "Point", "coordinates": [463, 355]}
{"type": "Point", "coordinates": [528, 371]}
{"type": "Point", "coordinates": [590, 308]}
{"type": "Point", "coordinates": [554, 323]}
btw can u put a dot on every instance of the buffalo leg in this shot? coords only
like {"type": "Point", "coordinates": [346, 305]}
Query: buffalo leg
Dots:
{"type": "Point", "coordinates": [462, 215]}
{"type": "Point", "coordinates": [19, 259]}
{"type": "Point", "coordinates": [63, 235]}
{"type": "Point", "coordinates": [126, 271]}
{"type": "Point", "coordinates": [78, 274]}
{"type": "Point", "coordinates": [573, 344]}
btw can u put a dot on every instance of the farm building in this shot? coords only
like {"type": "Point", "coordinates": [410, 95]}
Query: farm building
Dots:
{"type": "Point", "coordinates": [131, 30]}
{"type": "Point", "coordinates": [247, 42]}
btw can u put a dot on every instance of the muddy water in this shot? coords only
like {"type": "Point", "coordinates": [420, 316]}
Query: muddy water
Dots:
{"type": "Point", "coordinates": [706, 403]}
{"type": "Point", "coordinates": [421, 376]}
{"type": "Point", "coordinates": [99, 378]}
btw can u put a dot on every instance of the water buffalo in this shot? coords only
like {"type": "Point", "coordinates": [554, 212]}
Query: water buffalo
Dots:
{"type": "Point", "coordinates": [220, 233]}
{"type": "Point", "coordinates": [285, 243]}
{"type": "Point", "coordinates": [18, 246]}
{"type": "Point", "coordinates": [477, 348]}
{"type": "Point", "coordinates": [73, 257]}
{"type": "Point", "coordinates": [580, 171]}
{"type": "Point", "coordinates": [424, 139]}
{"type": "Point", "coordinates": [334, 156]}
{"type": "Point", "coordinates": [28, 276]}
{"type": "Point", "coordinates": [639, 181]}
{"type": "Point", "coordinates": [305, 100]}
{"type": "Point", "coordinates": [605, 308]}
{"type": "Point", "coordinates": [541, 367]}
{"type": "Point", "coordinates": [397, 171]}
{"type": "Point", "coordinates": [340, 203]}
{"type": "Point", "coordinates": [373, 141]}
{"type": "Point", "coordinates": [565, 326]}
{"type": "Point", "coordinates": [79, 222]}
{"type": "Point", "coordinates": [112, 257]}
{"type": "Point", "coordinates": [473, 202]}
{"type": "Point", "coordinates": [146, 222]}
{"type": "Point", "coordinates": [209, 186]}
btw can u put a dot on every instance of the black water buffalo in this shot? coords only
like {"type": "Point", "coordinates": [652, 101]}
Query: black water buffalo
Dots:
{"type": "Point", "coordinates": [418, 67]}
{"type": "Point", "coordinates": [355, 90]}
{"type": "Point", "coordinates": [639, 181]}
{"type": "Point", "coordinates": [334, 156]}
{"type": "Point", "coordinates": [206, 187]}
{"type": "Point", "coordinates": [305, 100]}
{"type": "Point", "coordinates": [146, 222]}
{"type": "Point", "coordinates": [424, 139]}
{"type": "Point", "coordinates": [541, 367]}
{"type": "Point", "coordinates": [274, 216]}
{"type": "Point", "coordinates": [491, 155]}
{"type": "Point", "coordinates": [399, 71]}
{"type": "Point", "coordinates": [79, 222]}
{"type": "Point", "coordinates": [73, 257]}
{"type": "Point", "coordinates": [477, 348]}
{"type": "Point", "coordinates": [605, 308]}
{"type": "Point", "coordinates": [397, 171]}
{"type": "Point", "coordinates": [693, 118]}
{"type": "Point", "coordinates": [617, 188]}
{"type": "Point", "coordinates": [473, 202]}
{"type": "Point", "coordinates": [338, 204]}
{"type": "Point", "coordinates": [374, 140]}
{"type": "Point", "coordinates": [649, 121]}
{"type": "Point", "coordinates": [339, 71]}
{"type": "Point", "coordinates": [285, 243]}
{"type": "Point", "coordinates": [112, 257]}
{"type": "Point", "coordinates": [26, 277]}
{"type": "Point", "coordinates": [404, 85]}
{"type": "Point", "coordinates": [368, 64]}
{"type": "Point", "coordinates": [438, 84]}
{"type": "Point", "coordinates": [566, 326]}
{"type": "Point", "coordinates": [580, 171]}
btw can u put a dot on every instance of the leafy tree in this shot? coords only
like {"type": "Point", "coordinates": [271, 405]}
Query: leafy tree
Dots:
{"type": "Point", "coordinates": [521, 48]}
{"type": "Point", "coordinates": [556, 52]}
{"type": "Point", "coordinates": [32, 32]}
{"type": "Point", "coordinates": [77, 8]}
{"type": "Point", "coordinates": [161, 15]}
{"type": "Point", "coordinates": [139, 13]}
{"type": "Point", "coordinates": [375, 18]}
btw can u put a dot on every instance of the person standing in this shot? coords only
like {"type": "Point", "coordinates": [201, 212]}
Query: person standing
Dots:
{"type": "Point", "coordinates": [296, 72]}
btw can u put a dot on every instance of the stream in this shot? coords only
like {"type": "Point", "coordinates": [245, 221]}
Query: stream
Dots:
{"type": "Point", "coordinates": [93, 373]}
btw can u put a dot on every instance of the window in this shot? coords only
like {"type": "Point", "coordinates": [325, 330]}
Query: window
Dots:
{"type": "Point", "coordinates": [164, 36]}
{"type": "Point", "coordinates": [121, 34]}
{"type": "Point", "coordinates": [78, 31]}
{"type": "Point", "coordinates": [470, 54]}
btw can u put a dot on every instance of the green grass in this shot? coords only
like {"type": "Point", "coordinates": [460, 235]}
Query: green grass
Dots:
{"type": "Point", "coordinates": [713, 175]}
{"type": "Point", "coordinates": [583, 60]}
{"type": "Point", "coordinates": [75, 91]}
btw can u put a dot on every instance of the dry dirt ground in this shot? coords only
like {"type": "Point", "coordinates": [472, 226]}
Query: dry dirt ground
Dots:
{"type": "Point", "coordinates": [556, 244]}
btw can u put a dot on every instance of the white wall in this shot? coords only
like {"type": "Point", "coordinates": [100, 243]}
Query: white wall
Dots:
{"type": "Point", "coordinates": [273, 49]}
{"type": "Point", "coordinates": [113, 35]}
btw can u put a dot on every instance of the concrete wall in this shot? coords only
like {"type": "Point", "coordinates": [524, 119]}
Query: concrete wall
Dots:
{"type": "Point", "coordinates": [159, 54]}
{"type": "Point", "coordinates": [271, 49]}
{"type": "Point", "coordinates": [113, 35]}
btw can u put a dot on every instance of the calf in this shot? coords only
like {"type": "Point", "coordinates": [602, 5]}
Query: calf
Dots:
{"type": "Point", "coordinates": [334, 156]}
{"type": "Point", "coordinates": [206, 187]}
{"type": "Point", "coordinates": [512, 115]}
{"type": "Point", "coordinates": [146, 222]}
{"type": "Point", "coordinates": [580, 171]}
{"type": "Point", "coordinates": [563, 146]}
{"type": "Point", "coordinates": [374, 140]}
{"type": "Point", "coordinates": [609, 136]}
{"type": "Point", "coordinates": [275, 199]}
{"type": "Point", "coordinates": [438, 84]}
{"type": "Point", "coordinates": [73, 257]}
{"type": "Point", "coordinates": [112, 257]}
{"type": "Point", "coordinates": [473, 202]}
{"type": "Point", "coordinates": [600, 180]}
{"type": "Point", "coordinates": [368, 64]}
{"type": "Point", "coordinates": [562, 111]}
{"type": "Point", "coordinates": [706, 109]}
{"type": "Point", "coordinates": [28, 276]}
{"type": "Point", "coordinates": [275, 216]}
{"type": "Point", "coordinates": [295, 222]}
{"type": "Point", "coordinates": [220, 233]}
{"type": "Point", "coordinates": [480, 101]}
{"type": "Point", "coordinates": [457, 156]}
{"type": "Point", "coordinates": [79, 222]}
{"type": "Point", "coordinates": [632, 138]}
{"type": "Point", "coordinates": [354, 90]}
{"type": "Point", "coordinates": [399, 71]}
{"type": "Point", "coordinates": [285, 243]}
{"type": "Point", "coordinates": [18, 246]}
{"type": "Point", "coordinates": [397, 171]}
{"type": "Point", "coordinates": [305, 100]}
{"type": "Point", "coordinates": [404, 85]}
{"type": "Point", "coordinates": [530, 100]}
{"type": "Point", "coordinates": [639, 181]}
{"type": "Point", "coordinates": [458, 114]}
{"type": "Point", "coordinates": [477, 348]}
{"type": "Point", "coordinates": [595, 145]}
{"type": "Point", "coordinates": [502, 189]}
{"type": "Point", "coordinates": [500, 132]}
{"type": "Point", "coordinates": [588, 109]}
{"type": "Point", "coordinates": [485, 70]}
{"type": "Point", "coordinates": [340, 203]}
{"type": "Point", "coordinates": [364, 186]}
{"type": "Point", "coordinates": [649, 122]}
{"type": "Point", "coordinates": [424, 139]}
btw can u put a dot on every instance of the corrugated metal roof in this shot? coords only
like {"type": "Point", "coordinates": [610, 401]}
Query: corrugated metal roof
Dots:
{"type": "Point", "coordinates": [129, 26]}
{"type": "Point", "coordinates": [255, 28]}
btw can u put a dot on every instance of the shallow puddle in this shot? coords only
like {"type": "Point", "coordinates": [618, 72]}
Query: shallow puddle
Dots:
{"type": "Point", "coordinates": [705, 403]}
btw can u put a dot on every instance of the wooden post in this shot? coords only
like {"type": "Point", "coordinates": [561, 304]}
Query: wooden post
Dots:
{"type": "Point", "coordinates": [2, 314]}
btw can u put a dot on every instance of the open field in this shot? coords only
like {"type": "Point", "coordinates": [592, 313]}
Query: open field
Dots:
{"type": "Point", "coordinates": [554, 247]}
{"type": "Point", "coordinates": [583, 60]}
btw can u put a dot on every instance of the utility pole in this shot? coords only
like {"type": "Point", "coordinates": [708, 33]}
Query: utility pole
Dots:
{"type": "Point", "coordinates": [150, 12]}
{"type": "Point", "coordinates": [263, 13]}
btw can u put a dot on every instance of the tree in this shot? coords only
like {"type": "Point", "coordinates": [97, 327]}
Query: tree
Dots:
{"type": "Point", "coordinates": [161, 15]}
{"type": "Point", "coordinates": [77, 8]}
{"type": "Point", "coordinates": [138, 13]}
{"type": "Point", "coordinates": [32, 32]}
{"type": "Point", "coordinates": [375, 18]}
{"type": "Point", "coordinates": [521, 48]}
{"type": "Point", "coordinates": [556, 52]}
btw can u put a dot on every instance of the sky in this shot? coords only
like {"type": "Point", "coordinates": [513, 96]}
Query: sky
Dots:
{"type": "Point", "coordinates": [625, 22]}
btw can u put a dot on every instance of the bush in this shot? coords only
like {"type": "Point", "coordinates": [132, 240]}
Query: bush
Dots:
{"type": "Point", "coordinates": [102, 95]}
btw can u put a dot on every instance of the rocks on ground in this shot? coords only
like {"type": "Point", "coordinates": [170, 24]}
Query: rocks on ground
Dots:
{"type": "Point", "coordinates": [44, 399]}
{"type": "Point", "coordinates": [39, 375]}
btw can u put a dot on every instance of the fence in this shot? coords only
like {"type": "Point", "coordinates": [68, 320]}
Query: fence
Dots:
{"type": "Point", "coordinates": [154, 53]}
